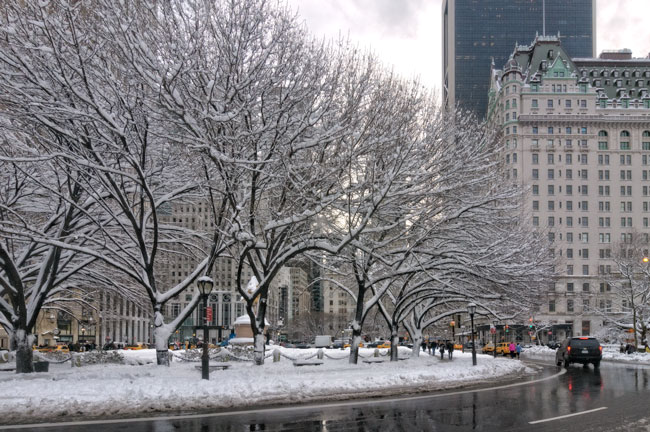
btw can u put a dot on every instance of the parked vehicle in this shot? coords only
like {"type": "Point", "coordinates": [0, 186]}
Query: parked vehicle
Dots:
{"type": "Point", "coordinates": [553, 344]}
{"type": "Point", "coordinates": [488, 348]}
{"type": "Point", "coordinates": [338, 343]}
{"type": "Point", "coordinates": [583, 350]}
{"type": "Point", "coordinates": [61, 348]}
{"type": "Point", "coordinates": [302, 345]}
{"type": "Point", "coordinates": [503, 348]}
{"type": "Point", "coordinates": [136, 346]}
{"type": "Point", "coordinates": [323, 341]}
{"type": "Point", "coordinates": [384, 344]}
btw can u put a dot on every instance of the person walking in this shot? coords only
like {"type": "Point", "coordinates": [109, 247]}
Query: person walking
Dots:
{"type": "Point", "coordinates": [442, 351]}
{"type": "Point", "coordinates": [513, 349]}
{"type": "Point", "coordinates": [518, 350]}
{"type": "Point", "coordinates": [450, 349]}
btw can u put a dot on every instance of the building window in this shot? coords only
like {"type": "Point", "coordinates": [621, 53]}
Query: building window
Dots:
{"type": "Point", "coordinates": [551, 305]}
{"type": "Point", "coordinates": [569, 305]}
{"type": "Point", "coordinates": [535, 158]}
{"type": "Point", "coordinates": [586, 328]}
{"type": "Point", "coordinates": [534, 103]}
{"type": "Point", "coordinates": [549, 103]}
{"type": "Point", "coordinates": [569, 287]}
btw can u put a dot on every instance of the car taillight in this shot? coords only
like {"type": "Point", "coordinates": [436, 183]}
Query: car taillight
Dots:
{"type": "Point", "coordinates": [568, 349]}
{"type": "Point", "coordinates": [601, 349]}
{"type": "Point", "coordinates": [584, 338]}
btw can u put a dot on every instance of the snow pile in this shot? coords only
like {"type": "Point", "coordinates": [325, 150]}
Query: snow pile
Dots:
{"type": "Point", "coordinates": [119, 390]}
{"type": "Point", "coordinates": [610, 353]}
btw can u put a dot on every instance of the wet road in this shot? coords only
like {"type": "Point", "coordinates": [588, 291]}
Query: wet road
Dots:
{"type": "Point", "coordinates": [616, 398]}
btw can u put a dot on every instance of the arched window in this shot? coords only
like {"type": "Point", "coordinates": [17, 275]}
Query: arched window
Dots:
{"type": "Point", "coordinates": [646, 134]}
{"type": "Point", "coordinates": [602, 133]}
{"type": "Point", "coordinates": [625, 141]}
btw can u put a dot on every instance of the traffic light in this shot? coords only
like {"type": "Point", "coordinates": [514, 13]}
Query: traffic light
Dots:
{"type": "Point", "coordinates": [507, 328]}
{"type": "Point", "coordinates": [530, 323]}
{"type": "Point", "coordinates": [452, 323]}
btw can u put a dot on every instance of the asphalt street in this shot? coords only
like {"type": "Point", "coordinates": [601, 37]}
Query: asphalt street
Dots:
{"type": "Point", "coordinates": [615, 398]}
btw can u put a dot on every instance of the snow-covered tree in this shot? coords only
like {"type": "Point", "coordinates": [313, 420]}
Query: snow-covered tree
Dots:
{"type": "Point", "coordinates": [283, 118]}
{"type": "Point", "coordinates": [627, 306]}
{"type": "Point", "coordinates": [72, 72]}
{"type": "Point", "coordinates": [46, 218]}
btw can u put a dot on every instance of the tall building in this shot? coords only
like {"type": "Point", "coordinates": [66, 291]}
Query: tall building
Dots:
{"type": "Point", "coordinates": [477, 31]}
{"type": "Point", "coordinates": [576, 135]}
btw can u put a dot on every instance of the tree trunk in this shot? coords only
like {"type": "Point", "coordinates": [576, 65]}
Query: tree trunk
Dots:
{"type": "Point", "coordinates": [354, 345]}
{"type": "Point", "coordinates": [417, 342]}
{"type": "Point", "coordinates": [394, 344]}
{"type": "Point", "coordinates": [161, 336]}
{"type": "Point", "coordinates": [21, 342]}
{"type": "Point", "coordinates": [636, 330]}
{"type": "Point", "coordinates": [259, 348]}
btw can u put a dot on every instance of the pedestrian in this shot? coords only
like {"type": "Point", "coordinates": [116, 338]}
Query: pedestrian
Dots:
{"type": "Point", "coordinates": [434, 346]}
{"type": "Point", "coordinates": [442, 351]}
{"type": "Point", "coordinates": [518, 350]}
{"type": "Point", "coordinates": [513, 349]}
{"type": "Point", "coordinates": [424, 346]}
{"type": "Point", "coordinates": [429, 347]}
{"type": "Point", "coordinates": [450, 349]}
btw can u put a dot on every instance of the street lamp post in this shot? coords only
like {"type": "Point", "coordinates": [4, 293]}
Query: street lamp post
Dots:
{"type": "Point", "coordinates": [472, 308]}
{"type": "Point", "coordinates": [205, 284]}
{"type": "Point", "coordinates": [495, 338]}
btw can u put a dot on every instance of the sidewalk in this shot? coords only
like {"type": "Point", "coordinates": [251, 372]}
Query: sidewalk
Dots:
{"type": "Point", "coordinates": [129, 390]}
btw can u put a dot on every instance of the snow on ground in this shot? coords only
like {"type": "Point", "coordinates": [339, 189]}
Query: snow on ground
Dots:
{"type": "Point", "coordinates": [611, 353]}
{"type": "Point", "coordinates": [113, 390]}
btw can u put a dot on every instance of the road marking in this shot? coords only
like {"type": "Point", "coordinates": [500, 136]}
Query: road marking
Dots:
{"type": "Point", "coordinates": [346, 403]}
{"type": "Point", "coordinates": [567, 415]}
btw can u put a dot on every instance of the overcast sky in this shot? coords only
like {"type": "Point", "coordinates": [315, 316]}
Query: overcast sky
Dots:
{"type": "Point", "coordinates": [407, 33]}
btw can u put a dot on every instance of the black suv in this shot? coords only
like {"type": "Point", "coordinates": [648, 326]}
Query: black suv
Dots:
{"type": "Point", "coordinates": [583, 350]}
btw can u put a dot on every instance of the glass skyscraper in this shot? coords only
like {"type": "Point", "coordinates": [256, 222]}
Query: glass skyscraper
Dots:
{"type": "Point", "coordinates": [476, 31]}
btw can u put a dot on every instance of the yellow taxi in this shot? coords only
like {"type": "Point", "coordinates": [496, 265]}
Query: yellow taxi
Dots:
{"type": "Point", "coordinates": [135, 347]}
{"type": "Point", "coordinates": [61, 349]}
{"type": "Point", "coordinates": [458, 346]}
{"type": "Point", "coordinates": [384, 344]}
{"type": "Point", "coordinates": [347, 345]}
{"type": "Point", "coordinates": [503, 348]}
{"type": "Point", "coordinates": [488, 348]}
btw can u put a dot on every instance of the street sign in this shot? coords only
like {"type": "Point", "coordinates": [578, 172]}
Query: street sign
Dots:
{"type": "Point", "coordinates": [550, 332]}
{"type": "Point", "coordinates": [493, 330]}
{"type": "Point", "coordinates": [208, 314]}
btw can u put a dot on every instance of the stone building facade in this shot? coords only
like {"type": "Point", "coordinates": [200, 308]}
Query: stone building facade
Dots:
{"type": "Point", "coordinates": [576, 135]}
